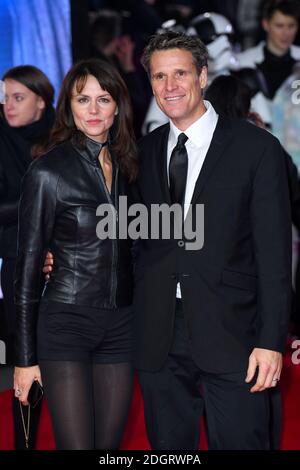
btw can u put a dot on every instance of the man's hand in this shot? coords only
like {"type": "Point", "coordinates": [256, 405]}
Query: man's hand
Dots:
{"type": "Point", "coordinates": [48, 265]}
{"type": "Point", "coordinates": [269, 365]}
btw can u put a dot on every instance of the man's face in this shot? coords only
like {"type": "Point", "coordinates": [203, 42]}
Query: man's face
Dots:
{"type": "Point", "coordinates": [281, 31]}
{"type": "Point", "coordinates": [177, 86]}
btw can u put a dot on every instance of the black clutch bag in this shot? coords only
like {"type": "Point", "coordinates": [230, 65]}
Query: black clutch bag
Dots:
{"type": "Point", "coordinates": [35, 393]}
{"type": "Point", "coordinates": [34, 397]}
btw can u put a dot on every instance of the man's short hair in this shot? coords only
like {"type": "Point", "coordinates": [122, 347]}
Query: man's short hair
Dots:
{"type": "Point", "coordinates": [286, 7]}
{"type": "Point", "coordinates": [175, 40]}
{"type": "Point", "coordinates": [106, 26]}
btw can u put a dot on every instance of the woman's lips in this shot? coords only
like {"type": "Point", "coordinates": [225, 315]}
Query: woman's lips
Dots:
{"type": "Point", "coordinates": [94, 121]}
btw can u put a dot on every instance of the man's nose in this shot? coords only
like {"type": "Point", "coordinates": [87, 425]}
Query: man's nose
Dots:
{"type": "Point", "coordinates": [170, 83]}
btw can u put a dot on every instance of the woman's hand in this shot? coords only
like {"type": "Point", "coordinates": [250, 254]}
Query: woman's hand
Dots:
{"type": "Point", "coordinates": [23, 379]}
{"type": "Point", "coordinates": [48, 265]}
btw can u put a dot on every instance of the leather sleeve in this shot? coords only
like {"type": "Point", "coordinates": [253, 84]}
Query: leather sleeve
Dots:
{"type": "Point", "coordinates": [36, 220]}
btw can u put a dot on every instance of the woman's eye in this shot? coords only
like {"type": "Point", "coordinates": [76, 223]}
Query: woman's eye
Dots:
{"type": "Point", "coordinates": [104, 100]}
{"type": "Point", "coordinates": [19, 98]}
{"type": "Point", "coordinates": [82, 100]}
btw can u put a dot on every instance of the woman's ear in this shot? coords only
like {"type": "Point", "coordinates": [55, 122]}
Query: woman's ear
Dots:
{"type": "Point", "coordinates": [41, 103]}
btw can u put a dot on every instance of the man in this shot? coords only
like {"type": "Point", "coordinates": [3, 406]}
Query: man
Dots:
{"type": "Point", "coordinates": [276, 56]}
{"type": "Point", "coordinates": [211, 322]}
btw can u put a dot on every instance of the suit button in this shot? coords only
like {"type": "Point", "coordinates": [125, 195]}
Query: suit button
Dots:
{"type": "Point", "coordinates": [181, 243]}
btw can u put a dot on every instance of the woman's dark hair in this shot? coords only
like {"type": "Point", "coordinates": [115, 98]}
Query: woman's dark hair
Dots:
{"type": "Point", "coordinates": [121, 134]}
{"type": "Point", "coordinates": [229, 96]}
{"type": "Point", "coordinates": [34, 79]}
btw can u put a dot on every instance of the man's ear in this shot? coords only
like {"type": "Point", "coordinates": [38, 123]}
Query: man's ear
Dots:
{"type": "Point", "coordinates": [203, 77]}
{"type": "Point", "coordinates": [265, 25]}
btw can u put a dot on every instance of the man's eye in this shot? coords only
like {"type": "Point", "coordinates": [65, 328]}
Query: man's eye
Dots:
{"type": "Point", "coordinates": [180, 73]}
{"type": "Point", "coordinates": [159, 76]}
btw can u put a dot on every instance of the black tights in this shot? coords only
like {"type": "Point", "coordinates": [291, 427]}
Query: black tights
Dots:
{"type": "Point", "coordinates": [88, 403]}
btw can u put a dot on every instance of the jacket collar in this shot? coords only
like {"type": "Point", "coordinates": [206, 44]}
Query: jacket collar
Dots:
{"type": "Point", "coordinates": [89, 149]}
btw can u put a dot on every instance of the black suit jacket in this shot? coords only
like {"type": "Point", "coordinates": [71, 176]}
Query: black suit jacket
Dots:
{"type": "Point", "coordinates": [236, 289]}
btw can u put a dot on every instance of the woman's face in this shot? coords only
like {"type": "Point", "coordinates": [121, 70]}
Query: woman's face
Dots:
{"type": "Point", "coordinates": [22, 106]}
{"type": "Point", "coordinates": [93, 110]}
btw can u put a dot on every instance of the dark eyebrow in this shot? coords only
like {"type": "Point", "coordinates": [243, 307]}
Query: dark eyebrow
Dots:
{"type": "Point", "coordinates": [88, 96]}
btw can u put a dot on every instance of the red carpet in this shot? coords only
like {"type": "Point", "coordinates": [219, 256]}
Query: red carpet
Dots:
{"type": "Point", "coordinates": [135, 435]}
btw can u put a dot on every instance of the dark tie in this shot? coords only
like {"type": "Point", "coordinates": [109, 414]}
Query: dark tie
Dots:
{"type": "Point", "coordinates": [178, 170]}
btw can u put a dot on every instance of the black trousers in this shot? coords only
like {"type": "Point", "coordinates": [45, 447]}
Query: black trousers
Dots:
{"type": "Point", "coordinates": [177, 395]}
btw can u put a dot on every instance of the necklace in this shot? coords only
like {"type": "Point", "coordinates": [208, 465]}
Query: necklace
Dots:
{"type": "Point", "coordinates": [26, 429]}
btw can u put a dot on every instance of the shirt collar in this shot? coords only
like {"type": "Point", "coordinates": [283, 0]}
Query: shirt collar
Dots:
{"type": "Point", "coordinates": [200, 132]}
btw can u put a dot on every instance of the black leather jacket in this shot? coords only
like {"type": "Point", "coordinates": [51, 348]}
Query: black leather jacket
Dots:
{"type": "Point", "coordinates": [60, 194]}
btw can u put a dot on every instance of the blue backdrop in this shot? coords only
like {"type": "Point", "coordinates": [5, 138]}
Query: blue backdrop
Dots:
{"type": "Point", "coordinates": [36, 32]}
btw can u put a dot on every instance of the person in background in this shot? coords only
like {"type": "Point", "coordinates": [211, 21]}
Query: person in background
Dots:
{"type": "Point", "coordinates": [276, 56]}
{"type": "Point", "coordinates": [110, 42]}
{"type": "Point", "coordinates": [26, 118]}
{"type": "Point", "coordinates": [77, 336]}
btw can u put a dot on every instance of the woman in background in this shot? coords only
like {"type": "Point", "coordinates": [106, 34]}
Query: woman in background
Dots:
{"type": "Point", "coordinates": [26, 118]}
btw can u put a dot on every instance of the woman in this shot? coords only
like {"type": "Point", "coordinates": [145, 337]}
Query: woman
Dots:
{"type": "Point", "coordinates": [84, 318]}
{"type": "Point", "coordinates": [25, 122]}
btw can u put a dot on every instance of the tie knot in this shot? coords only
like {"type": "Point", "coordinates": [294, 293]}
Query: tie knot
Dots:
{"type": "Point", "coordinates": [182, 138]}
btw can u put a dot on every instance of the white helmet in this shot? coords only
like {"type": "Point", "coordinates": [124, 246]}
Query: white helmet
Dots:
{"type": "Point", "coordinates": [215, 30]}
{"type": "Point", "coordinates": [171, 25]}
{"type": "Point", "coordinates": [209, 26]}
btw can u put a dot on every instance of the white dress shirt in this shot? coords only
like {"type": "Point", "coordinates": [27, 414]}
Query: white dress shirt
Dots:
{"type": "Point", "coordinates": [199, 135]}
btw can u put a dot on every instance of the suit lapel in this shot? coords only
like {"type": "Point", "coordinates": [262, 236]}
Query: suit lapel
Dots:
{"type": "Point", "coordinates": [161, 162]}
{"type": "Point", "coordinates": [221, 138]}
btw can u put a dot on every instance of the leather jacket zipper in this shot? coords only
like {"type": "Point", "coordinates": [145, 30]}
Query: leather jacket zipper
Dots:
{"type": "Point", "coordinates": [115, 243]}
{"type": "Point", "coordinates": [114, 265]}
